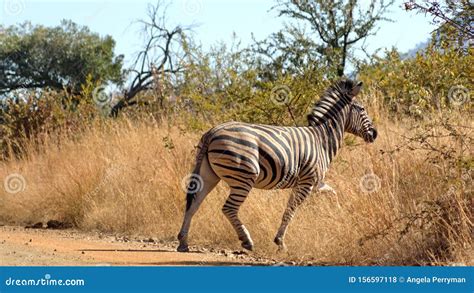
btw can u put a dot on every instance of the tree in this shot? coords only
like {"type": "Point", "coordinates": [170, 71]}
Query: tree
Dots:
{"type": "Point", "coordinates": [160, 55]}
{"type": "Point", "coordinates": [288, 51]}
{"type": "Point", "coordinates": [334, 26]}
{"type": "Point", "coordinates": [61, 57]}
{"type": "Point", "coordinates": [454, 19]}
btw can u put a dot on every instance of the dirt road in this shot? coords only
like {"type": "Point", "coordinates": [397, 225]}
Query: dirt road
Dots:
{"type": "Point", "coordinates": [31, 247]}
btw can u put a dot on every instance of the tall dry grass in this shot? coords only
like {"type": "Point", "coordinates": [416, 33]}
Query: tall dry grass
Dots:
{"type": "Point", "coordinates": [125, 176]}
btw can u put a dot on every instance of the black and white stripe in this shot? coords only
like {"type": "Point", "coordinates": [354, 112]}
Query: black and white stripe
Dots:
{"type": "Point", "coordinates": [248, 156]}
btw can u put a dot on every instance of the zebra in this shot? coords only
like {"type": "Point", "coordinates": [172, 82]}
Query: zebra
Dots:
{"type": "Point", "coordinates": [248, 156]}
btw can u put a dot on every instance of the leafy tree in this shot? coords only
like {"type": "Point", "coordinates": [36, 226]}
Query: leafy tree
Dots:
{"type": "Point", "coordinates": [61, 57]}
{"type": "Point", "coordinates": [334, 28]}
{"type": "Point", "coordinates": [288, 51]}
{"type": "Point", "coordinates": [449, 14]}
{"type": "Point", "coordinates": [431, 81]}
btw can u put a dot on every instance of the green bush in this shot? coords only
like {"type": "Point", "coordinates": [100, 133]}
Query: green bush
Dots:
{"type": "Point", "coordinates": [433, 80]}
{"type": "Point", "coordinates": [28, 117]}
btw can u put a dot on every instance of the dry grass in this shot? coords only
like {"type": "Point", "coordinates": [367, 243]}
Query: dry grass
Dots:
{"type": "Point", "coordinates": [125, 177]}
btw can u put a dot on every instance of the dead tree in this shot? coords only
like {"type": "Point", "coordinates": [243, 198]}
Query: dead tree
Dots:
{"type": "Point", "coordinates": [161, 54]}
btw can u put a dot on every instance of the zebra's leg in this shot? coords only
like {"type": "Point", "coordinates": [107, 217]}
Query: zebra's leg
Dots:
{"type": "Point", "coordinates": [209, 181]}
{"type": "Point", "coordinates": [297, 197]}
{"type": "Point", "coordinates": [231, 209]}
{"type": "Point", "coordinates": [324, 188]}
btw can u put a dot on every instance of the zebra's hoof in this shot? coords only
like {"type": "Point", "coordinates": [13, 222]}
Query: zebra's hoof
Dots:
{"type": "Point", "coordinates": [278, 241]}
{"type": "Point", "coordinates": [282, 248]}
{"type": "Point", "coordinates": [247, 245]}
{"type": "Point", "coordinates": [183, 248]}
{"type": "Point", "coordinates": [281, 245]}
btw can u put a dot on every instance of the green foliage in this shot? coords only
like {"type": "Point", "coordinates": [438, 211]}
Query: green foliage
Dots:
{"type": "Point", "coordinates": [27, 119]}
{"type": "Point", "coordinates": [334, 27]}
{"type": "Point", "coordinates": [426, 82]}
{"type": "Point", "coordinates": [220, 86]}
{"type": "Point", "coordinates": [223, 85]}
{"type": "Point", "coordinates": [450, 15]}
{"type": "Point", "coordinates": [59, 57]}
{"type": "Point", "coordinates": [291, 50]}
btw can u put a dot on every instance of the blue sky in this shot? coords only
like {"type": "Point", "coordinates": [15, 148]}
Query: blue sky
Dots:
{"type": "Point", "coordinates": [215, 20]}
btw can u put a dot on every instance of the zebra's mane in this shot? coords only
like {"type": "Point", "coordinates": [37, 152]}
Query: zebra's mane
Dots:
{"type": "Point", "coordinates": [334, 99]}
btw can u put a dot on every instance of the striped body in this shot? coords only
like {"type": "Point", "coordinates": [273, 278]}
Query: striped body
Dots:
{"type": "Point", "coordinates": [248, 156]}
{"type": "Point", "coordinates": [265, 156]}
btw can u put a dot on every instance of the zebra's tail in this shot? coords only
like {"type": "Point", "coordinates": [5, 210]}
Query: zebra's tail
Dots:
{"type": "Point", "coordinates": [196, 182]}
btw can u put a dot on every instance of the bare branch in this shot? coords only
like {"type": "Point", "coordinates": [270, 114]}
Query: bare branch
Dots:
{"type": "Point", "coordinates": [435, 9]}
{"type": "Point", "coordinates": [161, 54]}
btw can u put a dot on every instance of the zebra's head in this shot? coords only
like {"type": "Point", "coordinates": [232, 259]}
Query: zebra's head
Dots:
{"type": "Point", "coordinates": [337, 104]}
{"type": "Point", "coordinates": [359, 123]}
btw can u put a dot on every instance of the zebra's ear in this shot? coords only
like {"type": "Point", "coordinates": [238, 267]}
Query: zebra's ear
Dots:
{"type": "Point", "coordinates": [356, 89]}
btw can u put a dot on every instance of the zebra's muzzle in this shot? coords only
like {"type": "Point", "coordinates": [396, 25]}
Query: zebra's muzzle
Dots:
{"type": "Point", "coordinates": [371, 135]}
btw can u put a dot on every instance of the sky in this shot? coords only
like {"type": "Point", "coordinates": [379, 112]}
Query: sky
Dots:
{"type": "Point", "coordinates": [213, 20]}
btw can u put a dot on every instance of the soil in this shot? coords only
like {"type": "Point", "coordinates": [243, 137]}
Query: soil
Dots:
{"type": "Point", "coordinates": [20, 246]}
